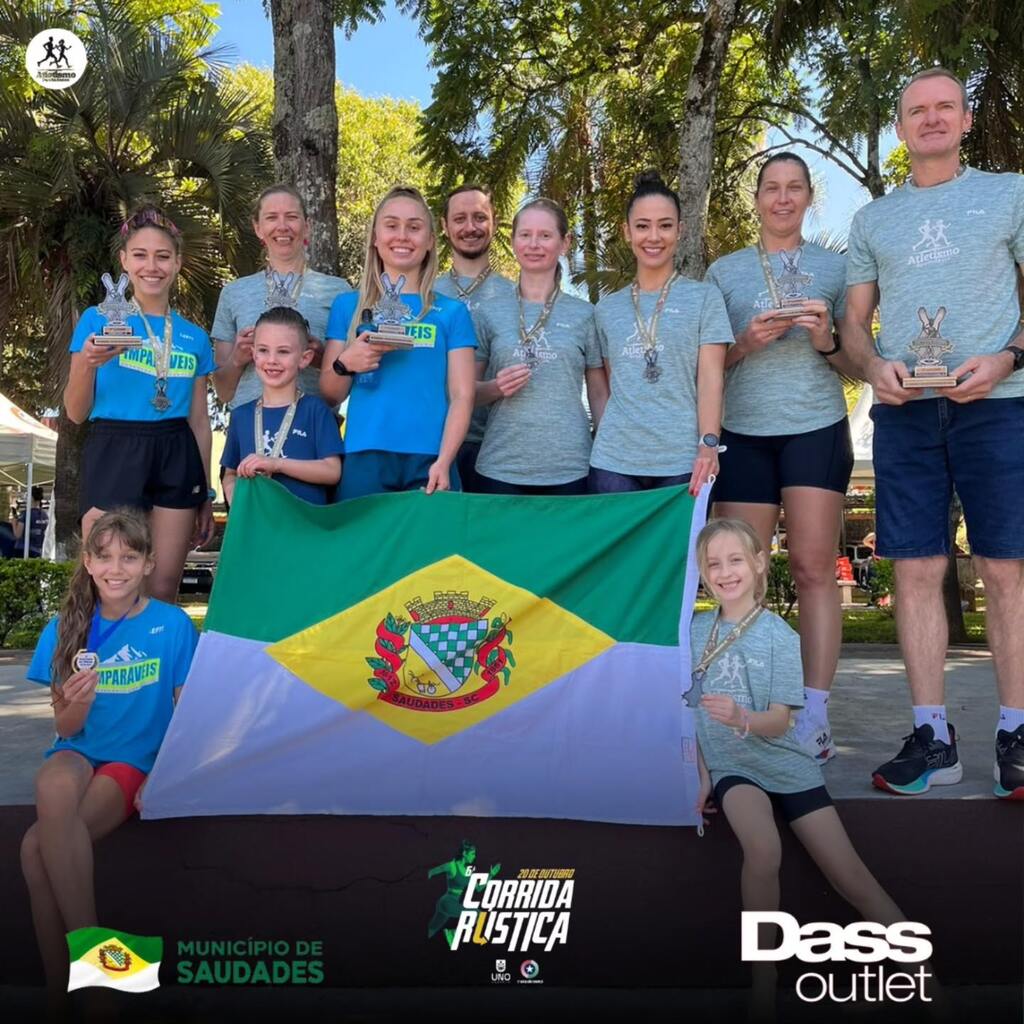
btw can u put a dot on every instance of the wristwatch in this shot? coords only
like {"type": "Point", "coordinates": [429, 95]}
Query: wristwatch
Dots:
{"type": "Point", "coordinates": [836, 346]}
{"type": "Point", "coordinates": [341, 369]}
{"type": "Point", "coordinates": [1018, 356]}
{"type": "Point", "coordinates": [710, 440]}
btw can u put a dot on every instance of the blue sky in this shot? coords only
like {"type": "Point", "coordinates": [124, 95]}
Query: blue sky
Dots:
{"type": "Point", "coordinates": [390, 59]}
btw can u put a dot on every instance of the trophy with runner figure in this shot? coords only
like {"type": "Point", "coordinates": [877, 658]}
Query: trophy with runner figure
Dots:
{"type": "Point", "coordinates": [115, 307]}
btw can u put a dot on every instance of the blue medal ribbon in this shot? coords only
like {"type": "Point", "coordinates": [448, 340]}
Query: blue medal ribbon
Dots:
{"type": "Point", "coordinates": [99, 636]}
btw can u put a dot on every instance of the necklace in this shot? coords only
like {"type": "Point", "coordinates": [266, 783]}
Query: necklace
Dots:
{"type": "Point", "coordinates": [464, 293]}
{"type": "Point", "coordinates": [282, 432]}
{"type": "Point", "coordinates": [161, 357]}
{"type": "Point", "coordinates": [528, 338]}
{"type": "Point", "coordinates": [712, 649]}
{"type": "Point", "coordinates": [283, 289]}
{"type": "Point", "coordinates": [648, 329]}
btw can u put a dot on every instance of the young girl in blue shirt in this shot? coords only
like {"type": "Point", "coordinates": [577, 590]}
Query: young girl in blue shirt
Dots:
{"type": "Point", "coordinates": [115, 661]}
{"type": "Point", "coordinates": [149, 446]}
{"type": "Point", "coordinates": [409, 408]}
{"type": "Point", "coordinates": [746, 683]}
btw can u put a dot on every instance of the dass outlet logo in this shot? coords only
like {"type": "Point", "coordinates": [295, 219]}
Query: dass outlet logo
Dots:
{"type": "Point", "coordinates": [862, 942]}
{"type": "Point", "coordinates": [530, 911]}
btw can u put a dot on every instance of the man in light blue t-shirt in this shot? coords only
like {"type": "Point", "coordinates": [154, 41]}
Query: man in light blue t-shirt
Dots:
{"type": "Point", "coordinates": [940, 256]}
{"type": "Point", "coordinates": [468, 223]}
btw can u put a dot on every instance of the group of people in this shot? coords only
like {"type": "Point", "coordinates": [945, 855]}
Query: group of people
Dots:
{"type": "Point", "coordinates": [521, 388]}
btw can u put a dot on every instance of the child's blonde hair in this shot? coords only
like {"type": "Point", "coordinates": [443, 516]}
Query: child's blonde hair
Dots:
{"type": "Point", "coordinates": [371, 288]}
{"type": "Point", "coordinates": [751, 545]}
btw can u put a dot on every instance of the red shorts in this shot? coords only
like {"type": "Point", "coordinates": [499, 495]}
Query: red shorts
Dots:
{"type": "Point", "coordinates": [128, 779]}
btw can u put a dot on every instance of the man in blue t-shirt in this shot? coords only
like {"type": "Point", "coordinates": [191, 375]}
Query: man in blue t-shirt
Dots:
{"type": "Point", "coordinates": [298, 444]}
{"type": "Point", "coordinates": [940, 255]}
{"type": "Point", "coordinates": [37, 518]}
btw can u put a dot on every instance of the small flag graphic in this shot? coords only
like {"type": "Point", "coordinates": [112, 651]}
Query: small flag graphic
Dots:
{"type": "Point", "coordinates": [101, 956]}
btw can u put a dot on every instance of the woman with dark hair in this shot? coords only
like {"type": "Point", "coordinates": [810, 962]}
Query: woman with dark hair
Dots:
{"type": "Point", "coordinates": [149, 446]}
{"type": "Point", "coordinates": [663, 340]}
{"type": "Point", "coordinates": [785, 427]}
{"type": "Point", "coordinates": [538, 350]}
{"type": "Point", "coordinates": [279, 220]}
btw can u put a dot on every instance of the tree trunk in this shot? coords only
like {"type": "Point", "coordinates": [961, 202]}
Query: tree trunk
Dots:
{"type": "Point", "coordinates": [697, 136]}
{"type": "Point", "coordinates": [873, 181]}
{"type": "Point", "coordinates": [589, 206]}
{"type": "Point", "coordinates": [305, 124]}
{"type": "Point", "coordinates": [70, 441]}
{"type": "Point", "coordinates": [951, 581]}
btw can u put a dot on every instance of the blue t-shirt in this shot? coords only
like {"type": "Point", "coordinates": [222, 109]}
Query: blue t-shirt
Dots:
{"type": "Point", "coordinates": [125, 386]}
{"type": "Point", "coordinates": [406, 410]}
{"type": "Point", "coordinates": [141, 664]}
{"type": "Point", "coordinates": [314, 435]}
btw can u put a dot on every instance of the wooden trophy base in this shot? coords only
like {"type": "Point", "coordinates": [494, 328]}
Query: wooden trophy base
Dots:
{"type": "Point", "coordinates": [394, 339]}
{"type": "Point", "coordinates": [932, 377]}
{"type": "Point", "coordinates": [788, 312]}
{"type": "Point", "coordinates": [115, 339]}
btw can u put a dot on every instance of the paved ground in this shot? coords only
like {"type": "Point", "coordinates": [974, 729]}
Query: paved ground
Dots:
{"type": "Point", "coordinates": [870, 713]}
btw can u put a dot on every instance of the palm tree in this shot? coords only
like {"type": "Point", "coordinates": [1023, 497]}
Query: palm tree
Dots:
{"type": "Point", "coordinates": [149, 119]}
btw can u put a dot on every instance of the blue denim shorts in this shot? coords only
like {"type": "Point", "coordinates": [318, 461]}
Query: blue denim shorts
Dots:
{"type": "Point", "coordinates": [925, 448]}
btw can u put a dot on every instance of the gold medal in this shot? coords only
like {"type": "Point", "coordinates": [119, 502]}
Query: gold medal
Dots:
{"type": "Point", "coordinates": [85, 660]}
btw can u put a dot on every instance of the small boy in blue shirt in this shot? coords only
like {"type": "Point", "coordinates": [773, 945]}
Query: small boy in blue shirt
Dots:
{"type": "Point", "coordinates": [284, 434]}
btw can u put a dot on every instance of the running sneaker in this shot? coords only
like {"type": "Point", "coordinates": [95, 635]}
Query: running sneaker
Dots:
{"type": "Point", "coordinates": [1009, 770]}
{"type": "Point", "coordinates": [923, 762]}
{"type": "Point", "coordinates": [814, 736]}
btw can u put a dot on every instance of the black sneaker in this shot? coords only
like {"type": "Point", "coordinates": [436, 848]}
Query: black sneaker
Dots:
{"type": "Point", "coordinates": [923, 762]}
{"type": "Point", "coordinates": [1009, 769]}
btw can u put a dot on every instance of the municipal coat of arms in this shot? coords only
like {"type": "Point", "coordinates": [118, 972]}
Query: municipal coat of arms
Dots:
{"type": "Point", "coordinates": [450, 653]}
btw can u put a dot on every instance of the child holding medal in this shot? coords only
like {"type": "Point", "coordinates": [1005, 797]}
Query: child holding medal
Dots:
{"type": "Point", "coordinates": [149, 446]}
{"type": "Point", "coordinates": [410, 403]}
{"type": "Point", "coordinates": [664, 340]}
{"type": "Point", "coordinates": [285, 434]}
{"type": "Point", "coordinates": [115, 661]}
{"type": "Point", "coordinates": [746, 682]}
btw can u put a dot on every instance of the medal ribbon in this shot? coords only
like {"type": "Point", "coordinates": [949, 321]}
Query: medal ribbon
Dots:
{"type": "Point", "coordinates": [161, 351]}
{"type": "Point", "coordinates": [712, 649]}
{"type": "Point", "coordinates": [97, 636]}
{"type": "Point", "coordinates": [526, 336]}
{"type": "Point", "coordinates": [649, 328]}
{"type": "Point", "coordinates": [282, 434]}
{"type": "Point", "coordinates": [464, 293]}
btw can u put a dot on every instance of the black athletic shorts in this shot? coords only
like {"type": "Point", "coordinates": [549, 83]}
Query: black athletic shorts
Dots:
{"type": "Point", "coordinates": [141, 463]}
{"type": "Point", "coordinates": [756, 468]}
{"type": "Point", "coordinates": [790, 805]}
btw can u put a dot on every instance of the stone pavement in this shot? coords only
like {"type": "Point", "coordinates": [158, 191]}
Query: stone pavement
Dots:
{"type": "Point", "coordinates": [870, 712]}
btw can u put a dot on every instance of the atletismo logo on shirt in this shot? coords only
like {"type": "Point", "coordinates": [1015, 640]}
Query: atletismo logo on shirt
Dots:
{"type": "Point", "coordinates": [934, 245]}
{"type": "Point", "coordinates": [635, 348]}
{"type": "Point", "coordinates": [127, 671]}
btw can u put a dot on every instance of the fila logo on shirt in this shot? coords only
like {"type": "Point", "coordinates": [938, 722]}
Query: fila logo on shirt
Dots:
{"type": "Point", "coordinates": [933, 245]}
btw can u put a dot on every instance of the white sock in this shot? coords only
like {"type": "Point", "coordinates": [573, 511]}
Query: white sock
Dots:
{"type": "Point", "coordinates": [816, 704]}
{"type": "Point", "coordinates": [935, 716]}
{"type": "Point", "coordinates": [1010, 719]}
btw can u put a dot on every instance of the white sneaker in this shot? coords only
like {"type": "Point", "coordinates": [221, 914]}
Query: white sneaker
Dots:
{"type": "Point", "coordinates": [815, 737]}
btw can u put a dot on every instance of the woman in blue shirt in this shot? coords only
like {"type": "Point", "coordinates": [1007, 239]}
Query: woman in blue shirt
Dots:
{"type": "Point", "coordinates": [149, 446]}
{"type": "Point", "coordinates": [409, 407]}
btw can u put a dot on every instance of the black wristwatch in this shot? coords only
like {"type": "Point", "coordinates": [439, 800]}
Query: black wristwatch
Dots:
{"type": "Point", "coordinates": [1018, 357]}
{"type": "Point", "coordinates": [341, 369]}
{"type": "Point", "coordinates": [837, 345]}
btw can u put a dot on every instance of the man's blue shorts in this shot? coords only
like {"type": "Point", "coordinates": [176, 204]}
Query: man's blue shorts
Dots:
{"type": "Point", "coordinates": [925, 448]}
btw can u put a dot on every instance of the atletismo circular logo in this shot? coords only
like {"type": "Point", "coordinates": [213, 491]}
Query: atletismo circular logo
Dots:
{"type": "Point", "coordinates": [529, 969]}
{"type": "Point", "coordinates": [55, 58]}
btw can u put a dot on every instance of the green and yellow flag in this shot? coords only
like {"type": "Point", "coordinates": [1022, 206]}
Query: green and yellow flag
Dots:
{"type": "Point", "coordinates": [111, 959]}
{"type": "Point", "coordinates": [442, 654]}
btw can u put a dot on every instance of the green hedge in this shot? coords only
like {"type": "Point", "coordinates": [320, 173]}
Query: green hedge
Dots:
{"type": "Point", "coordinates": [31, 591]}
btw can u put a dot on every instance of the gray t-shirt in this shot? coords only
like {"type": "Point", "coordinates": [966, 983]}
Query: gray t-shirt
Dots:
{"type": "Point", "coordinates": [494, 285]}
{"type": "Point", "coordinates": [787, 387]}
{"type": "Point", "coordinates": [944, 258]}
{"type": "Point", "coordinates": [650, 429]}
{"type": "Point", "coordinates": [762, 667]}
{"type": "Point", "coordinates": [244, 299]}
{"type": "Point", "coordinates": [541, 435]}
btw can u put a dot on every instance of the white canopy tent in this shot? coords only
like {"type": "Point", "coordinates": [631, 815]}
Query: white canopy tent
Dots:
{"type": "Point", "coordinates": [862, 432]}
{"type": "Point", "coordinates": [28, 451]}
